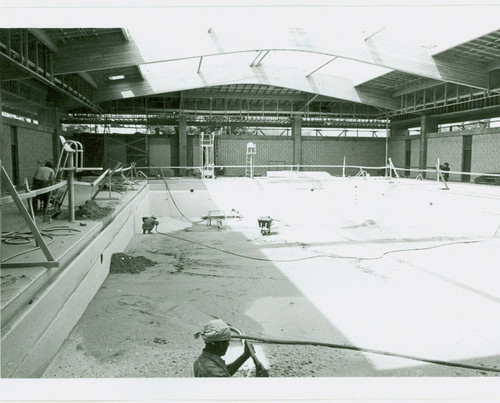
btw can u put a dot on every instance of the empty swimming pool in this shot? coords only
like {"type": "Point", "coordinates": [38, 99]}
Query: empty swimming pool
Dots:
{"type": "Point", "coordinates": [398, 266]}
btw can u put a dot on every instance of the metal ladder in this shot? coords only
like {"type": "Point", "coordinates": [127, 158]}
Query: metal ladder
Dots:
{"type": "Point", "coordinates": [70, 158]}
{"type": "Point", "coordinates": [251, 151]}
{"type": "Point", "coordinates": [207, 155]}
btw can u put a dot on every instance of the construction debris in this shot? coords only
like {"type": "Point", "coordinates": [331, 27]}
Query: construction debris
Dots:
{"type": "Point", "coordinates": [123, 263]}
{"type": "Point", "coordinates": [92, 211]}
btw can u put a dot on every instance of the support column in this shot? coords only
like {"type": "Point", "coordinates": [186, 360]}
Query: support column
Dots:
{"type": "Point", "coordinates": [56, 144]}
{"type": "Point", "coordinates": [297, 139]}
{"type": "Point", "coordinates": [428, 125]}
{"type": "Point", "coordinates": [1, 108]}
{"type": "Point", "coordinates": [105, 150]}
{"type": "Point", "coordinates": [49, 117]}
{"type": "Point", "coordinates": [2, 144]}
{"type": "Point", "coordinates": [182, 133]}
{"type": "Point", "coordinates": [398, 131]}
{"type": "Point", "coordinates": [71, 187]}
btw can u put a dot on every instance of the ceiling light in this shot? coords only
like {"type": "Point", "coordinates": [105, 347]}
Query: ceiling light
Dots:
{"type": "Point", "coordinates": [120, 77]}
{"type": "Point", "coordinates": [127, 94]}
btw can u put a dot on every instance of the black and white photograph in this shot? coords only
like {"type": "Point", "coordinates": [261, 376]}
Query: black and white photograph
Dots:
{"type": "Point", "coordinates": [301, 198]}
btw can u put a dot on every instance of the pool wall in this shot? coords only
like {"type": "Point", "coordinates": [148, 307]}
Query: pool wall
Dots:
{"type": "Point", "coordinates": [34, 338]}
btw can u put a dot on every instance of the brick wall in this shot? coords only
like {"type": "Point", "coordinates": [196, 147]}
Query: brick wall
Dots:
{"type": "Point", "coordinates": [194, 152]}
{"type": "Point", "coordinates": [5, 153]}
{"type": "Point", "coordinates": [332, 150]}
{"type": "Point", "coordinates": [160, 151]}
{"type": "Point", "coordinates": [415, 156]}
{"type": "Point", "coordinates": [396, 151]}
{"type": "Point", "coordinates": [93, 148]}
{"type": "Point", "coordinates": [446, 147]}
{"type": "Point", "coordinates": [117, 151]}
{"type": "Point", "coordinates": [271, 150]}
{"type": "Point", "coordinates": [34, 144]}
{"type": "Point", "coordinates": [277, 150]}
{"type": "Point", "coordinates": [486, 153]}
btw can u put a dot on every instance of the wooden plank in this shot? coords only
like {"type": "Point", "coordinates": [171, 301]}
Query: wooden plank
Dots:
{"type": "Point", "coordinates": [29, 203]}
{"type": "Point", "coordinates": [23, 265]}
{"type": "Point", "coordinates": [22, 209]}
{"type": "Point", "coordinates": [32, 193]}
{"type": "Point", "coordinates": [100, 178]}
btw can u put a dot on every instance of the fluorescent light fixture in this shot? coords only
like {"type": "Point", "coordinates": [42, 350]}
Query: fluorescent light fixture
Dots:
{"type": "Point", "coordinates": [120, 77]}
{"type": "Point", "coordinates": [127, 94]}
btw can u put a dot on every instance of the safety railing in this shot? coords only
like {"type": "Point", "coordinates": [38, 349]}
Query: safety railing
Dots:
{"type": "Point", "coordinates": [390, 171]}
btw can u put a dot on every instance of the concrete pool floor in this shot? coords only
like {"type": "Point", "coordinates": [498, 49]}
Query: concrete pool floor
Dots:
{"type": "Point", "coordinates": [401, 267]}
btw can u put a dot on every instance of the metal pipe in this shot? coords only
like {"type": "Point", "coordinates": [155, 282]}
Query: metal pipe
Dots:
{"type": "Point", "coordinates": [71, 189]}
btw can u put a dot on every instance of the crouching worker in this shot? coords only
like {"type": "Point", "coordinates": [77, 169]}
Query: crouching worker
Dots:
{"type": "Point", "coordinates": [148, 223]}
{"type": "Point", "coordinates": [216, 335]}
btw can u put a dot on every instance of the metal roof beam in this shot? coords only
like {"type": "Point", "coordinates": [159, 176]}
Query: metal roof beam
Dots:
{"type": "Point", "coordinates": [417, 87]}
{"type": "Point", "coordinates": [176, 78]}
{"type": "Point", "coordinates": [308, 102]}
{"type": "Point", "coordinates": [320, 67]}
{"type": "Point", "coordinates": [88, 78]}
{"type": "Point", "coordinates": [44, 38]}
{"type": "Point", "coordinates": [126, 34]}
{"type": "Point", "coordinates": [256, 62]}
{"type": "Point", "coordinates": [375, 50]}
{"type": "Point", "coordinates": [197, 94]}
{"type": "Point", "coordinates": [493, 65]}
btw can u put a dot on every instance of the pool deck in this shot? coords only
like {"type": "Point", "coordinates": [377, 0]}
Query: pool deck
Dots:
{"type": "Point", "coordinates": [21, 285]}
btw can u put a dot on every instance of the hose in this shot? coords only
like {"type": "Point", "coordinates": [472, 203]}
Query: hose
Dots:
{"type": "Point", "coordinates": [237, 254]}
{"type": "Point", "coordinates": [339, 346]}
{"type": "Point", "coordinates": [20, 238]}
{"type": "Point", "coordinates": [175, 204]}
{"type": "Point", "coordinates": [366, 350]}
{"type": "Point", "coordinates": [52, 239]}
{"type": "Point", "coordinates": [327, 255]}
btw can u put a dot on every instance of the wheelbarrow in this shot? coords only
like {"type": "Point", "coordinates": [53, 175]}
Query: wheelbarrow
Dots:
{"type": "Point", "coordinates": [265, 223]}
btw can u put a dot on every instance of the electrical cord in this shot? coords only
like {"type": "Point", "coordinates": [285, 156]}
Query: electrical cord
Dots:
{"type": "Point", "coordinates": [340, 346]}
{"type": "Point", "coordinates": [365, 350]}
{"type": "Point", "coordinates": [19, 238]}
{"type": "Point", "coordinates": [175, 204]}
{"type": "Point", "coordinates": [52, 239]}
{"type": "Point", "coordinates": [327, 255]}
{"type": "Point", "coordinates": [237, 254]}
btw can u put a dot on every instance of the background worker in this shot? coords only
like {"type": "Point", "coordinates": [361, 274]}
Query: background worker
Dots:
{"type": "Point", "coordinates": [44, 176]}
{"type": "Point", "coordinates": [446, 168]}
{"type": "Point", "coordinates": [216, 335]}
{"type": "Point", "coordinates": [148, 223]}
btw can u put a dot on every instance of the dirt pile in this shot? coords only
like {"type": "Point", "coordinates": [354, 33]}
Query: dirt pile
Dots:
{"type": "Point", "coordinates": [123, 263]}
{"type": "Point", "coordinates": [92, 211]}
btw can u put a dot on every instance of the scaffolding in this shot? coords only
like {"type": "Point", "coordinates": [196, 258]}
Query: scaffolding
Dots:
{"type": "Point", "coordinates": [251, 151]}
{"type": "Point", "coordinates": [207, 155]}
